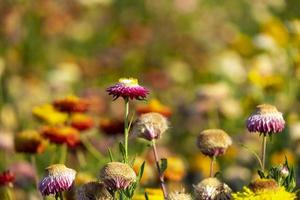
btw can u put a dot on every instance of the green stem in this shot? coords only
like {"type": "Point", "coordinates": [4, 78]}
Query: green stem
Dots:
{"type": "Point", "coordinates": [254, 153]}
{"type": "Point", "coordinates": [211, 174]}
{"type": "Point", "coordinates": [85, 141]}
{"type": "Point", "coordinates": [126, 128]}
{"type": "Point", "coordinates": [63, 153]}
{"type": "Point", "coordinates": [80, 158]}
{"type": "Point", "coordinates": [160, 173]}
{"type": "Point", "coordinates": [263, 153]}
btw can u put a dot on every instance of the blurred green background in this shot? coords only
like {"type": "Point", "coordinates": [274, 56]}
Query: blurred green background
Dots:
{"type": "Point", "coordinates": [210, 61]}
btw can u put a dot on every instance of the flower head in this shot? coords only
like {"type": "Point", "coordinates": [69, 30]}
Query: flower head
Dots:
{"type": "Point", "coordinates": [154, 106]}
{"type": "Point", "coordinates": [212, 189]}
{"type": "Point", "coordinates": [264, 189]}
{"type": "Point", "coordinates": [81, 122]}
{"type": "Point", "coordinates": [111, 126]}
{"type": "Point", "coordinates": [179, 196]}
{"type": "Point", "coordinates": [266, 120]}
{"type": "Point", "coordinates": [150, 126]}
{"type": "Point", "coordinates": [60, 135]}
{"type": "Point", "coordinates": [93, 190]}
{"type": "Point", "coordinates": [49, 114]}
{"type": "Point", "coordinates": [6, 178]}
{"type": "Point", "coordinates": [128, 88]}
{"type": "Point", "coordinates": [71, 104]}
{"type": "Point", "coordinates": [57, 178]}
{"type": "Point", "coordinates": [30, 141]}
{"type": "Point", "coordinates": [117, 175]}
{"type": "Point", "coordinates": [213, 142]}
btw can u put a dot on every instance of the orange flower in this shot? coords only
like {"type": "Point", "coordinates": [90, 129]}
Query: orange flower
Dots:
{"type": "Point", "coordinates": [111, 126]}
{"type": "Point", "coordinates": [63, 134]}
{"type": "Point", "coordinates": [279, 157]}
{"type": "Point", "coordinates": [81, 122]}
{"type": "Point", "coordinates": [30, 141]}
{"type": "Point", "coordinates": [71, 104]}
{"type": "Point", "coordinates": [154, 106]}
{"type": "Point", "coordinates": [176, 169]}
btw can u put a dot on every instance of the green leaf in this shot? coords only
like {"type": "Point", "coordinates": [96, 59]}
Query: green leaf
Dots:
{"type": "Point", "coordinates": [141, 172]}
{"type": "Point", "coordinates": [111, 158]}
{"type": "Point", "coordinates": [146, 196]}
{"type": "Point", "coordinates": [163, 165]}
{"type": "Point", "coordinates": [122, 150]}
{"type": "Point", "coordinates": [261, 174]}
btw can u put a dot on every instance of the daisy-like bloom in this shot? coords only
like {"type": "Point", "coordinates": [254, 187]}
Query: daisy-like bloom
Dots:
{"type": "Point", "coordinates": [213, 142]}
{"type": "Point", "coordinates": [266, 120]}
{"type": "Point", "coordinates": [179, 196]}
{"type": "Point", "coordinates": [128, 88]}
{"type": "Point", "coordinates": [111, 126]}
{"type": "Point", "coordinates": [154, 106]}
{"type": "Point", "coordinates": [153, 194]}
{"type": "Point", "coordinates": [58, 178]}
{"type": "Point", "coordinates": [264, 189]}
{"type": "Point", "coordinates": [71, 104]}
{"type": "Point", "coordinates": [117, 175]}
{"type": "Point", "coordinates": [176, 169]}
{"type": "Point", "coordinates": [150, 126]}
{"type": "Point", "coordinates": [93, 190]}
{"type": "Point", "coordinates": [81, 122]}
{"type": "Point", "coordinates": [30, 141]}
{"type": "Point", "coordinates": [212, 189]}
{"type": "Point", "coordinates": [6, 178]}
{"type": "Point", "coordinates": [61, 135]}
{"type": "Point", "coordinates": [49, 114]}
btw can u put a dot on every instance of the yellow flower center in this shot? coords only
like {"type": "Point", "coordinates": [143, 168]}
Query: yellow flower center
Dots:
{"type": "Point", "coordinates": [130, 82]}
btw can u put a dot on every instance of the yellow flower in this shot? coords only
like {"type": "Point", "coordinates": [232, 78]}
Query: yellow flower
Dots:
{"type": "Point", "coordinates": [48, 114]}
{"type": "Point", "coordinates": [153, 194]}
{"type": "Point", "coordinates": [154, 106]}
{"type": "Point", "coordinates": [279, 157]}
{"type": "Point", "coordinates": [176, 169]}
{"type": "Point", "coordinates": [265, 81]}
{"type": "Point", "coordinates": [275, 29]}
{"type": "Point", "coordinates": [83, 178]}
{"type": "Point", "coordinates": [201, 163]}
{"type": "Point", "coordinates": [148, 174]}
{"type": "Point", "coordinates": [273, 194]}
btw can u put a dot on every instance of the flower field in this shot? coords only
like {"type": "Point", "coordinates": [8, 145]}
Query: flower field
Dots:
{"type": "Point", "coordinates": [149, 100]}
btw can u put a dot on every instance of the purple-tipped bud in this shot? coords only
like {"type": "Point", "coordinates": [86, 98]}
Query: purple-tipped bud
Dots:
{"type": "Point", "coordinates": [117, 176]}
{"type": "Point", "coordinates": [150, 126]}
{"type": "Point", "coordinates": [58, 178]}
{"type": "Point", "coordinates": [284, 171]}
{"type": "Point", "coordinates": [266, 120]}
{"type": "Point", "coordinates": [128, 88]}
{"type": "Point", "coordinates": [213, 142]}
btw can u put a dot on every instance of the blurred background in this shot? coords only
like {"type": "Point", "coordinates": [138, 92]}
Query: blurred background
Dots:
{"type": "Point", "coordinates": [207, 65]}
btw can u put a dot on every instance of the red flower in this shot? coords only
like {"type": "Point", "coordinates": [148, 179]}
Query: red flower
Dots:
{"type": "Point", "coordinates": [61, 135]}
{"type": "Point", "coordinates": [6, 178]}
{"type": "Point", "coordinates": [30, 141]}
{"type": "Point", "coordinates": [71, 104]}
{"type": "Point", "coordinates": [81, 122]}
{"type": "Point", "coordinates": [111, 126]}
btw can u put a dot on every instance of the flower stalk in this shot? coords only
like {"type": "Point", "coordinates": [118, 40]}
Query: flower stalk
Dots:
{"type": "Point", "coordinates": [126, 128]}
{"type": "Point", "coordinates": [211, 173]}
{"type": "Point", "coordinates": [263, 153]}
{"type": "Point", "coordinates": [160, 172]}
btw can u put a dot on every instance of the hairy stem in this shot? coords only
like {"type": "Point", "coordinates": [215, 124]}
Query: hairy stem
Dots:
{"type": "Point", "coordinates": [263, 153]}
{"type": "Point", "coordinates": [160, 173]}
{"type": "Point", "coordinates": [126, 128]}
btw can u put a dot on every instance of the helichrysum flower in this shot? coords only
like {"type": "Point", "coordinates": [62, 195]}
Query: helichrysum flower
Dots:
{"type": "Point", "coordinates": [117, 175]}
{"type": "Point", "coordinates": [150, 126]}
{"type": "Point", "coordinates": [176, 169]}
{"type": "Point", "coordinates": [266, 120]}
{"type": "Point", "coordinates": [179, 196]}
{"type": "Point", "coordinates": [263, 189]}
{"type": "Point", "coordinates": [49, 114]}
{"type": "Point", "coordinates": [154, 106]}
{"type": "Point", "coordinates": [81, 122]}
{"type": "Point", "coordinates": [30, 141]}
{"type": "Point", "coordinates": [58, 178]}
{"type": "Point", "coordinates": [111, 126]}
{"type": "Point", "coordinates": [71, 104]}
{"type": "Point", "coordinates": [213, 142]}
{"type": "Point", "coordinates": [93, 191]}
{"type": "Point", "coordinates": [128, 88]}
{"type": "Point", "coordinates": [6, 178]}
{"type": "Point", "coordinates": [62, 135]}
{"type": "Point", "coordinates": [212, 189]}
